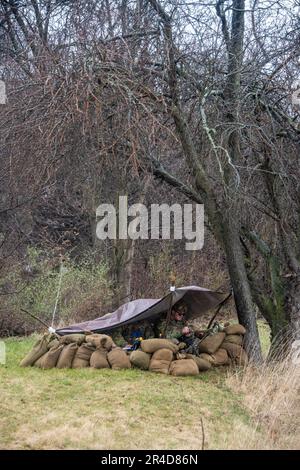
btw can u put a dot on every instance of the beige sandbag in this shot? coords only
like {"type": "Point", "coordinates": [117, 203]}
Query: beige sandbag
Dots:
{"type": "Point", "coordinates": [235, 339]}
{"type": "Point", "coordinates": [207, 357]}
{"type": "Point", "coordinates": [140, 359]}
{"type": "Point", "coordinates": [160, 366]}
{"type": "Point", "coordinates": [220, 357]}
{"type": "Point", "coordinates": [38, 350]}
{"type": "Point", "coordinates": [79, 363]}
{"type": "Point", "coordinates": [99, 360]}
{"type": "Point", "coordinates": [100, 341]}
{"type": "Point", "coordinates": [49, 360]}
{"type": "Point", "coordinates": [184, 367]}
{"type": "Point", "coordinates": [152, 345]}
{"type": "Point", "coordinates": [163, 355]}
{"type": "Point", "coordinates": [202, 364]}
{"type": "Point", "coordinates": [236, 353]}
{"type": "Point", "coordinates": [211, 343]}
{"type": "Point", "coordinates": [118, 359]}
{"type": "Point", "coordinates": [39, 362]}
{"type": "Point", "coordinates": [82, 356]}
{"type": "Point", "coordinates": [78, 338]}
{"type": "Point", "coordinates": [53, 343]}
{"type": "Point", "coordinates": [161, 360]}
{"type": "Point", "coordinates": [236, 329]}
{"type": "Point", "coordinates": [66, 356]}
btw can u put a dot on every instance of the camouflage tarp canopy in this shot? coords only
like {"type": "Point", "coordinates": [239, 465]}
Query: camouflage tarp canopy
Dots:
{"type": "Point", "coordinates": [198, 299]}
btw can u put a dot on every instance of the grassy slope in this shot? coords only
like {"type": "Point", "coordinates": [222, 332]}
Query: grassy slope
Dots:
{"type": "Point", "coordinates": [132, 409]}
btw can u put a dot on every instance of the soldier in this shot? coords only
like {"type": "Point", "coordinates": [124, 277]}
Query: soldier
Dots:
{"type": "Point", "coordinates": [173, 328]}
{"type": "Point", "coordinates": [191, 340]}
{"type": "Point", "coordinates": [117, 337]}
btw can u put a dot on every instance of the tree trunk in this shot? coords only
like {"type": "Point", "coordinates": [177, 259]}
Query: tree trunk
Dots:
{"type": "Point", "coordinates": [241, 288]}
{"type": "Point", "coordinates": [289, 330]}
{"type": "Point", "coordinates": [292, 302]}
{"type": "Point", "coordinates": [122, 269]}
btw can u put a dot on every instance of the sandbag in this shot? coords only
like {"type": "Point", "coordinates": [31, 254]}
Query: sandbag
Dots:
{"type": "Point", "coordinates": [184, 367]}
{"type": "Point", "coordinates": [78, 338]}
{"type": "Point", "coordinates": [38, 350]}
{"type": "Point", "coordinates": [152, 345]}
{"type": "Point", "coordinates": [66, 356]}
{"type": "Point", "coordinates": [140, 359]}
{"type": "Point", "coordinates": [236, 353]}
{"type": "Point", "coordinates": [49, 360]}
{"type": "Point", "coordinates": [235, 339]}
{"type": "Point", "coordinates": [220, 357]}
{"type": "Point", "coordinates": [118, 359]}
{"type": "Point", "coordinates": [53, 343]}
{"type": "Point", "coordinates": [202, 364]}
{"type": "Point", "coordinates": [99, 360]}
{"type": "Point", "coordinates": [160, 366]}
{"type": "Point", "coordinates": [39, 362]}
{"type": "Point", "coordinates": [161, 360]}
{"type": "Point", "coordinates": [163, 355]}
{"type": "Point", "coordinates": [211, 343]}
{"type": "Point", "coordinates": [100, 341]}
{"type": "Point", "coordinates": [82, 356]}
{"type": "Point", "coordinates": [236, 329]}
{"type": "Point", "coordinates": [207, 357]}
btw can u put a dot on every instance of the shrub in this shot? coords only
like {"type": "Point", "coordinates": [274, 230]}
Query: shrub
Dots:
{"type": "Point", "coordinates": [84, 293]}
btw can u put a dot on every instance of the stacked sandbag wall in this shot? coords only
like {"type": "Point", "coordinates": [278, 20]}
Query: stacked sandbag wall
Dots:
{"type": "Point", "coordinates": [158, 355]}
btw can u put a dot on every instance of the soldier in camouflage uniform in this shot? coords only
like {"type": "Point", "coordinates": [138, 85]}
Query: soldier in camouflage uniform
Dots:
{"type": "Point", "coordinates": [117, 337]}
{"type": "Point", "coordinates": [173, 328]}
{"type": "Point", "coordinates": [192, 339]}
{"type": "Point", "coordinates": [124, 335]}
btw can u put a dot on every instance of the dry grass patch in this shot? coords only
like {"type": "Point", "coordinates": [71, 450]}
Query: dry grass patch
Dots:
{"type": "Point", "coordinates": [271, 393]}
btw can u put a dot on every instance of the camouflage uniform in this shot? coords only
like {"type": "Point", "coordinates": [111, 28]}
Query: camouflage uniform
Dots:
{"type": "Point", "coordinates": [144, 327]}
{"type": "Point", "coordinates": [123, 335]}
{"type": "Point", "coordinates": [148, 330]}
{"type": "Point", "coordinates": [117, 337]}
{"type": "Point", "coordinates": [173, 331]}
{"type": "Point", "coordinates": [193, 346]}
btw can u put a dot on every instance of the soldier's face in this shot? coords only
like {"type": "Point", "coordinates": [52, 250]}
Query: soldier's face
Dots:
{"type": "Point", "coordinates": [178, 316]}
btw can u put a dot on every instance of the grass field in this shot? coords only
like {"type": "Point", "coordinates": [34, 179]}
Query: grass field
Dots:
{"type": "Point", "coordinates": [131, 409]}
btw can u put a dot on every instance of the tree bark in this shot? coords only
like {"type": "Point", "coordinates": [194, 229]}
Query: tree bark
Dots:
{"type": "Point", "coordinates": [240, 284]}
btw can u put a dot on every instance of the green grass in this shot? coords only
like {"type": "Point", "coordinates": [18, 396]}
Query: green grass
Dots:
{"type": "Point", "coordinates": [129, 409]}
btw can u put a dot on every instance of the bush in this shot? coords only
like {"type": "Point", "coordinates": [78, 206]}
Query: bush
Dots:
{"type": "Point", "coordinates": [85, 292]}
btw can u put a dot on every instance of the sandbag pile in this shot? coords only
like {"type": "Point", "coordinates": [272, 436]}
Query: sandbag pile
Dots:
{"type": "Point", "coordinates": [76, 351]}
{"type": "Point", "coordinates": [225, 348]}
{"type": "Point", "coordinates": [157, 355]}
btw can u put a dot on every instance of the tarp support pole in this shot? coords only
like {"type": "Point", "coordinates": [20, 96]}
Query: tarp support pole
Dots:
{"type": "Point", "coordinates": [168, 315]}
{"type": "Point", "coordinates": [218, 309]}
